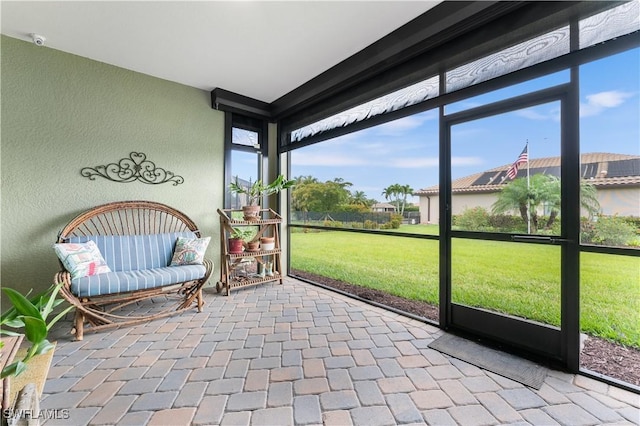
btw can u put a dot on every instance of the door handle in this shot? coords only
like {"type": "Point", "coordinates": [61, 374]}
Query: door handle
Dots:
{"type": "Point", "coordinates": [539, 239]}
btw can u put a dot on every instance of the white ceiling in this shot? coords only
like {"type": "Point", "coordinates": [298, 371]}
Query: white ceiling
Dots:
{"type": "Point", "coordinates": [260, 49]}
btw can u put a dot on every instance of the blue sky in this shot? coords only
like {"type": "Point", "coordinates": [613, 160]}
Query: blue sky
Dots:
{"type": "Point", "coordinates": [405, 151]}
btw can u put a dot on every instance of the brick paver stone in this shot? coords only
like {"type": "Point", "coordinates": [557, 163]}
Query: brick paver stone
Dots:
{"type": "Point", "coordinates": [247, 401]}
{"type": "Point", "coordinates": [472, 415]}
{"type": "Point", "coordinates": [430, 399]}
{"type": "Point", "coordinates": [286, 374]}
{"type": "Point", "coordinates": [313, 368]}
{"type": "Point", "coordinates": [225, 386]}
{"type": "Point", "coordinates": [403, 408]}
{"type": "Point", "coordinates": [239, 418]}
{"type": "Point", "coordinates": [336, 418]}
{"type": "Point", "coordinates": [282, 416]}
{"type": "Point", "coordinates": [154, 401]}
{"type": "Point", "coordinates": [339, 400]}
{"type": "Point", "coordinates": [395, 385]}
{"type": "Point", "coordinates": [439, 417]}
{"type": "Point", "coordinates": [571, 415]}
{"type": "Point", "coordinates": [521, 398]}
{"type": "Point", "coordinates": [210, 411]}
{"type": "Point", "coordinates": [457, 392]}
{"type": "Point", "coordinates": [369, 393]}
{"type": "Point", "coordinates": [280, 394]}
{"type": "Point", "coordinates": [190, 395]}
{"type": "Point", "coordinates": [257, 380]}
{"type": "Point", "coordinates": [372, 416]}
{"type": "Point", "coordinates": [499, 408]}
{"type": "Point", "coordinates": [310, 386]}
{"type": "Point", "coordinates": [180, 416]}
{"type": "Point", "coordinates": [339, 379]}
{"type": "Point", "coordinates": [370, 372]}
{"type": "Point", "coordinates": [306, 410]}
{"type": "Point", "coordinates": [112, 411]}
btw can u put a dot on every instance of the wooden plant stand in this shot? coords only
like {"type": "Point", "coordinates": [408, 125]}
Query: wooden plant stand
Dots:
{"type": "Point", "coordinates": [236, 269]}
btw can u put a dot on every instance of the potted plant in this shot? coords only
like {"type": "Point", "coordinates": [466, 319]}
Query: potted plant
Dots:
{"type": "Point", "coordinates": [29, 317]}
{"type": "Point", "coordinates": [255, 191]}
{"type": "Point", "coordinates": [268, 243]}
{"type": "Point", "coordinates": [237, 239]}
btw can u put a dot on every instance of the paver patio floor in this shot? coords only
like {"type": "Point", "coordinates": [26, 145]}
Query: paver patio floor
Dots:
{"type": "Point", "coordinates": [298, 354]}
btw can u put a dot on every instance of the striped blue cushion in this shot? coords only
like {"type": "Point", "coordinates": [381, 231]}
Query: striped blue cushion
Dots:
{"type": "Point", "coordinates": [135, 252]}
{"type": "Point", "coordinates": [124, 281]}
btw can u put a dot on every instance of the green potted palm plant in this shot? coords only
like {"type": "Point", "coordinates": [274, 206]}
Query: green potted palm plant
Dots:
{"type": "Point", "coordinates": [256, 191]}
{"type": "Point", "coordinates": [29, 317]}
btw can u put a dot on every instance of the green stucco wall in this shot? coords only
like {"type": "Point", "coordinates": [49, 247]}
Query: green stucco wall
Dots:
{"type": "Point", "coordinates": [62, 112]}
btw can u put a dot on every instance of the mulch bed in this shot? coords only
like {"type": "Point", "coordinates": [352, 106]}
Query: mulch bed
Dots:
{"type": "Point", "coordinates": [598, 355]}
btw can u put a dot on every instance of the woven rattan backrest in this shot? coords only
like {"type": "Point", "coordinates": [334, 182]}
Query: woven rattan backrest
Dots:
{"type": "Point", "coordinates": [128, 218]}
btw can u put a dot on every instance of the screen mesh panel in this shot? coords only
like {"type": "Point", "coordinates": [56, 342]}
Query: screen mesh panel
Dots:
{"type": "Point", "coordinates": [531, 52]}
{"type": "Point", "coordinates": [408, 96]}
{"type": "Point", "coordinates": [615, 22]}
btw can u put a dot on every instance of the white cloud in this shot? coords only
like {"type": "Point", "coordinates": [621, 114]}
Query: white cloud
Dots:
{"type": "Point", "coordinates": [598, 102]}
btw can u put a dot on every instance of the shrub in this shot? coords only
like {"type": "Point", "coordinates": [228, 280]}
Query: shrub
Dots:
{"type": "Point", "coordinates": [370, 224]}
{"type": "Point", "coordinates": [507, 223]}
{"type": "Point", "coordinates": [474, 219]}
{"type": "Point", "coordinates": [613, 231]}
{"type": "Point", "coordinates": [332, 223]}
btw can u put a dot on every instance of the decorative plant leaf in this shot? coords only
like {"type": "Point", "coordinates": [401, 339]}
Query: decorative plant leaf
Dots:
{"type": "Point", "coordinates": [43, 347]}
{"type": "Point", "coordinates": [35, 329]}
{"type": "Point", "coordinates": [9, 333]}
{"type": "Point", "coordinates": [13, 369]}
{"type": "Point", "coordinates": [13, 323]}
{"type": "Point", "coordinates": [23, 305]}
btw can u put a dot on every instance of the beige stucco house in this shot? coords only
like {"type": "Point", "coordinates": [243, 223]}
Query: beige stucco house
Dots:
{"type": "Point", "coordinates": [615, 176]}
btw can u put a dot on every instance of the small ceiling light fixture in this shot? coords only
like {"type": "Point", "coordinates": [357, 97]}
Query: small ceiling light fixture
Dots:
{"type": "Point", "coordinates": [38, 40]}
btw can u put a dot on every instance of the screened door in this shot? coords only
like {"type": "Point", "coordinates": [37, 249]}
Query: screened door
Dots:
{"type": "Point", "coordinates": [506, 256]}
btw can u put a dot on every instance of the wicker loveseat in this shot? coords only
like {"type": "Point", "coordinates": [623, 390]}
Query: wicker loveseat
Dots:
{"type": "Point", "coordinates": [136, 240]}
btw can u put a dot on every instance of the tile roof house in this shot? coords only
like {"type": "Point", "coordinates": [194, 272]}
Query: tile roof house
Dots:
{"type": "Point", "coordinates": [615, 176]}
{"type": "Point", "coordinates": [383, 207]}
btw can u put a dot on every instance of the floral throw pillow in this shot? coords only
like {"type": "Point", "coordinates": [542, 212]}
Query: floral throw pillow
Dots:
{"type": "Point", "coordinates": [189, 251]}
{"type": "Point", "coordinates": [81, 259]}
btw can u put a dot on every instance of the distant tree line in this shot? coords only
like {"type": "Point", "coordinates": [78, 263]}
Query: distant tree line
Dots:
{"type": "Point", "coordinates": [311, 195]}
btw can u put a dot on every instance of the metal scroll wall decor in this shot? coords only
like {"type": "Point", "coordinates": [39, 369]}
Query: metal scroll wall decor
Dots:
{"type": "Point", "coordinates": [134, 168]}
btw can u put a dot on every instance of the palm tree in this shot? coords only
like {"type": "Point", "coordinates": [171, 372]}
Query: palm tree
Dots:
{"type": "Point", "coordinates": [359, 198]}
{"type": "Point", "coordinates": [405, 191]}
{"type": "Point", "coordinates": [541, 190]}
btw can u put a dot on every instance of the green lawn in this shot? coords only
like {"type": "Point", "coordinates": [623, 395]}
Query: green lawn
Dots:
{"type": "Point", "coordinates": [517, 279]}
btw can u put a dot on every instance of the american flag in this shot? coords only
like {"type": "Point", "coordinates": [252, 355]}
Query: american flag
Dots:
{"type": "Point", "coordinates": [522, 158]}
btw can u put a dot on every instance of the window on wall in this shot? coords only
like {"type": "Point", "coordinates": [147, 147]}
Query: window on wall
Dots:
{"type": "Point", "coordinates": [369, 179]}
{"type": "Point", "coordinates": [610, 150]}
{"type": "Point", "coordinates": [366, 182]}
{"type": "Point", "coordinates": [245, 147]}
{"type": "Point", "coordinates": [610, 237]}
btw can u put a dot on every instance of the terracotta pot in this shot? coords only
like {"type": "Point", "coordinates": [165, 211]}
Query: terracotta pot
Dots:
{"type": "Point", "coordinates": [268, 243]}
{"type": "Point", "coordinates": [253, 245]}
{"type": "Point", "coordinates": [235, 245]}
{"type": "Point", "coordinates": [251, 213]}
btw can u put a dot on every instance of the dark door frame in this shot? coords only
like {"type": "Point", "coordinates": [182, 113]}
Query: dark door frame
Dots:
{"type": "Point", "coordinates": [558, 344]}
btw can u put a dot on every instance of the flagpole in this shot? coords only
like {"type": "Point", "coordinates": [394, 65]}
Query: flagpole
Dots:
{"type": "Point", "coordinates": [528, 197]}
